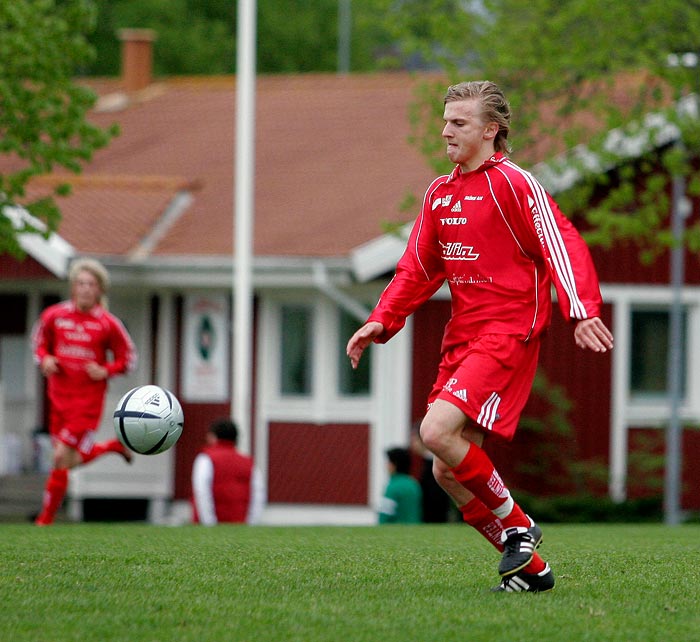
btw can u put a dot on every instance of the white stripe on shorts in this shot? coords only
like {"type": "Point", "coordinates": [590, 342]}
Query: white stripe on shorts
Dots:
{"type": "Point", "coordinates": [489, 412]}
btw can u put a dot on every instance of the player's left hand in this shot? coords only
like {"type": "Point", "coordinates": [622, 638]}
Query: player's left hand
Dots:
{"type": "Point", "coordinates": [361, 339]}
{"type": "Point", "coordinates": [592, 334]}
{"type": "Point", "coordinates": [95, 371]}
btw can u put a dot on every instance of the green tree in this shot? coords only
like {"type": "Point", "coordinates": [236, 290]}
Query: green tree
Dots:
{"type": "Point", "coordinates": [192, 38]}
{"type": "Point", "coordinates": [295, 35]}
{"type": "Point", "coordinates": [557, 60]}
{"type": "Point", "coordinates": [199, 36]}
{"type": "Point", "coordinates": [43, 123]}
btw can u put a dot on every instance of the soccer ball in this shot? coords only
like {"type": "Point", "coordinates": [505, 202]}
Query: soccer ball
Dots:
{"type": "Point", "coordinates": [148, 420]}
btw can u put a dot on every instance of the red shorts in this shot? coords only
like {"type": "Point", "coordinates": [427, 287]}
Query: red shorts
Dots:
{"type": "Point", "coordinates": [489, 379]}
{"type": "Point", "coordinates": [73, 427]}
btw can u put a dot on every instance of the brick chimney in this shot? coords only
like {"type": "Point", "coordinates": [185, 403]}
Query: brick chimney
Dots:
{"type": "Point", "coordinates": [137, 58]}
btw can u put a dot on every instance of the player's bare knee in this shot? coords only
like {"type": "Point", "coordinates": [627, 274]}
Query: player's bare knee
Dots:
{"type": "Point", "coordinates": [65, 458]}
{"type": "Point", "coordinates": [441, 473]}
{"type": "Point", "coordinates": [433, 434]}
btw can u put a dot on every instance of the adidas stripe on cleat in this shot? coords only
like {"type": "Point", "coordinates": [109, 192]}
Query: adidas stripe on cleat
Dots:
{"type": "Point", "coordinates": [527, 582]}
{"type": "Point", "coordinates": [519, 544]}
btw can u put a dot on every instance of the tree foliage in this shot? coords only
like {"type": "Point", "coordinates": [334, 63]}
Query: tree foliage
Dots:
{"type": "Point", "coordinates": [192, 37]}
{"type": "Point", "coordinates": [575, 71]}
{"type": "Point", "coordinates": [199, 36]}
{"type": "Point", "coordinates": [43, 122]}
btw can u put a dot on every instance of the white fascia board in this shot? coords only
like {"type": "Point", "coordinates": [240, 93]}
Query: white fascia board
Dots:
{"type": "Point", "coordinates": [185, 272]}
{"type": "Point", "coordinates": [379, 256]}
{"type": "Point", "coordinates": [54, 252]}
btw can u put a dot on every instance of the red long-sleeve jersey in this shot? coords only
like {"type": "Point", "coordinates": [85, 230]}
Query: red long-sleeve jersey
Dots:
{"type": "Point", "coordinates": [76, 338]}
{"type": "Point", "coordinates": [500, 241]}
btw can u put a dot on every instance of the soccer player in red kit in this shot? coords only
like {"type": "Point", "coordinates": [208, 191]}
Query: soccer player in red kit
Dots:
{"type": "Point", "coordinates": [72, 340]}
{"type": "Point", "coordinates": [500, 241]}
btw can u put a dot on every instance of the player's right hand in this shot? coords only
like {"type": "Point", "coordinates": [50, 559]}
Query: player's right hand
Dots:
{"type": "Point", "coordinates": [361, 339]}
{"type": "Point", "coordinates": [49, 365]}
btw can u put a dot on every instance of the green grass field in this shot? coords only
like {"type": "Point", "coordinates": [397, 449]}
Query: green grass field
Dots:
{"type": "Point", "coordinates": [102, 582]}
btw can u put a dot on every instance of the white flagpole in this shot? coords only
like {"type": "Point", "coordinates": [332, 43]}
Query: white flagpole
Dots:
{"type": "Point", "coordinates": [244, 187]}
{"type": "Point", "coordinates": [674, 430]}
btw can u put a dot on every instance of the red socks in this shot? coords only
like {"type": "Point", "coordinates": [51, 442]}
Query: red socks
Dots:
{"type": "Point", "coordinates": [55, 491]}
{"type": "Point", "coordinates": [478, 475]}
{"type": "Point", "coordinates": [483, 520]}
{"type": "Point", "coordinates": [111, 446]}
{"type": "Point", "coordinates": [57, 482]}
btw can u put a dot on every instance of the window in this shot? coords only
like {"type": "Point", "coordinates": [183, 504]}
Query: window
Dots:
{"type": "Point", "coordinates": [296, 350]}
{"type": "Point", "coordinates": [351, 382]}
{"type": "Point", "coordinates": [308, 356]}
{"type": "Point", "coordinates": [14, 313]}
{"type": "Point", "coordinates": [649, 360]}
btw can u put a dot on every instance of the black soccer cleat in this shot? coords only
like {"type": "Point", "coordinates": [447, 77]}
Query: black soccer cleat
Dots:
{"type": "Point", "coordinates": [522, 582]}
{"type": "Point", "coordinates": [519, 544]}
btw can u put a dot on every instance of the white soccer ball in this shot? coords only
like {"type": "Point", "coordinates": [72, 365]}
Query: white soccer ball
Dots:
{"type": "Point", "coordinates": [148, 419]}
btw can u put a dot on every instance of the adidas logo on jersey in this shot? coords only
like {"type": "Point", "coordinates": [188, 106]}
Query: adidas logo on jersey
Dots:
{"type": "Point", "coordinates": [457, 207]}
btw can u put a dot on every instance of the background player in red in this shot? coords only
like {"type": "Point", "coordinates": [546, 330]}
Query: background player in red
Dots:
{"type": "Point", "coordinates": [500, 241]}
{"type": "Point", "coordinates": [226, 485]}
{"type": "Point", "coordinates": [79, 345]}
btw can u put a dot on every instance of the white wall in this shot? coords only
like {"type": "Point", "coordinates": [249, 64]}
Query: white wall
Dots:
{"type": "Point", "coordinates": [386, 409]}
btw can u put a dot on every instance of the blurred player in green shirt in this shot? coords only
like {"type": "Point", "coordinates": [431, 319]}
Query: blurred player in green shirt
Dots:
{"type": "Point", "coordinates": [402, 500]}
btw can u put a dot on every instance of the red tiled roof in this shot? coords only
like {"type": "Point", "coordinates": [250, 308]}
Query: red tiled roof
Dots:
{"type": "Point", "coordinates": [105, 214]}
{"type": "Point", "coordinates": [332, 164]}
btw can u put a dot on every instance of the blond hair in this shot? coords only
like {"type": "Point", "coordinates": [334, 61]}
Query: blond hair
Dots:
{"type": "Point", "coordinates": [494, 106]}
{"type": "Point", "coordinates": [95, 268]}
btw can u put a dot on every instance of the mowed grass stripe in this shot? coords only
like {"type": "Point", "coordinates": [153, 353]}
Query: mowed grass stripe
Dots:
{"type": "Point", "coordinates": [376, 584]}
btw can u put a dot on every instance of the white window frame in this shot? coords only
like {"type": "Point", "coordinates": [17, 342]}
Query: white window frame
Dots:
{"type": "Point", "coordinates": [324, 403]}
{"type": "Point", "coordinates": [653, 409]}
{"type": "Point", "coordinates": [639, 411]}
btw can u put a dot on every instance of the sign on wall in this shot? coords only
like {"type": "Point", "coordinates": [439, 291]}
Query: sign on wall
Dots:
{"type": "Point", "coordinates": [205, 349]}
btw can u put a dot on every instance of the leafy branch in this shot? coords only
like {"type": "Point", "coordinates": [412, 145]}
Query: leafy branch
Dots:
{"type": "Point", "coordinates": [43, 112]}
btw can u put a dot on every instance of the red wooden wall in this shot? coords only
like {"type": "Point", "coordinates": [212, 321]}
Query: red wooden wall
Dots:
{"type": "Point", "coordinates": [318, 464]}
